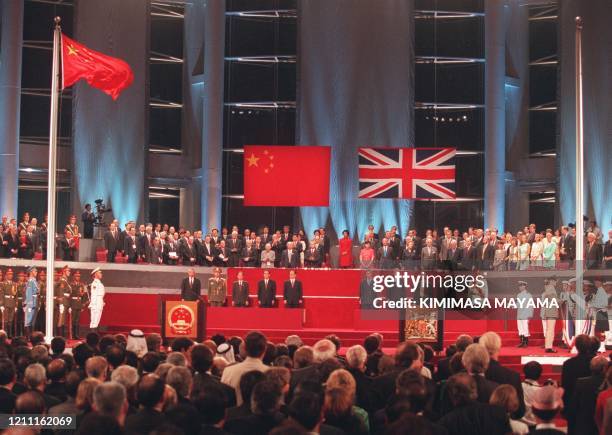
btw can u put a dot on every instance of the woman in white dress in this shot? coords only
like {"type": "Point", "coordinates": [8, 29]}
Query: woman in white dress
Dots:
{"type": "Point", "coordinates": [537, 251]}
{"type": "Point", "coordinates": [524, 252]}
{"type": "Point", "coordinates": [513, 254]}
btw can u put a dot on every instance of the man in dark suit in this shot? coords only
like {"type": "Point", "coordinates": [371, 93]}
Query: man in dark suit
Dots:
{"type": "Point", "coordinates": [249, 254]}
{"type": "Point", "coordinates": [155, 252]}
{"type": "Point", "coordinates": [567, 246]}
{"type": "Point", "coordinates": [468, 255]}
{"type": "Point", "coordinates": [292, 291]}
{"type": "Point", "coordinates": [485, 253]}
{"type": "Point", "coordinates": [7, 380]}
{"type": "Point", "coordinates": [234, 246]}
{"type": "Point", "coordinates": [207, 253]}
{"type": "Point", "coordinates": [289, 257]}
{"type": "Point", "coordinates": [201, 362]}
{"type": "Point", "coordinates": [266, 291]}
{"type": "Point", "coordinates": [574, 368]}
{"type": "Point", "coordinates": [607, 253]}
{"type": "Point", "coordinates": [500, 374]}
{"type": "Point", "coordinates": [469, 416]}
{"type": "Point", "coordinates": [429, 255]}
{"type": "Point", "coordinates": [240, 291]}
{"type": "Point", "coordinates": [366, 292]}
{"type": "Point", "coordinates": [313, 256]}
{"type": "Point", "coordinates": [130, 246]}
{"type": "Point", "coordinates": [150, 393]}
{"type": "Point", "coordinates": [145, 240]}
{"type": "Point", "coordinates": [88, 219]}
{"type": "Point", "coordinates": [582, 407]}
{"type": "Point", "coordinates": [111, 242]}
{"type": "Point", "coordinates": [188, 252]}
{"type": "Point", "coordinates": [593, 252]}
{"type": "Point", "coordinates": [190, 287]}
{"type": "Point", "coordinates": [453, 256]}
{"type": "Point", "coordinates": [386, 255]}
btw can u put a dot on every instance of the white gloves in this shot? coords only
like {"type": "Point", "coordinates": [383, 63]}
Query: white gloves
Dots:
{"type": "Point", "coordinates": [2, 309]}
{"type": "Point", "coordinates": [61, 309]}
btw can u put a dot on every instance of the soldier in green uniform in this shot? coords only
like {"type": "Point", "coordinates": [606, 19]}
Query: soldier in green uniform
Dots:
{"type": "Point", "coordinates": [217, 289]}
{"type": "Point", "coordinates": [78, 301]}
{"type": "Point", "coordinates": [39, 323]}
{"type": "Point", "coordinates": [62, 293]}
{"type": "Point", "coordinates": [9, 292]}
{"type": "Point", "coordinates": [19, 313]}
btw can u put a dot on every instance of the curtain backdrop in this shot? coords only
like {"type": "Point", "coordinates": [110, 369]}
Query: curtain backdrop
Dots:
{"type": "Point", "coordinates": [110, 137]}
{"type": "Point", "coordinates": [355, 88]}
{"type": "Point", "coordinates": [597, 106]}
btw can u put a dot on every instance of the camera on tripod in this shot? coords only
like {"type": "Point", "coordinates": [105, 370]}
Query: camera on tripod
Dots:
{"type": "Point", "coordinates": [100, 210]}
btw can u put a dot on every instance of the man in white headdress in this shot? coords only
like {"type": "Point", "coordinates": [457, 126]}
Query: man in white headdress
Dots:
{"type": "Point", "coordinates": [137, 343]}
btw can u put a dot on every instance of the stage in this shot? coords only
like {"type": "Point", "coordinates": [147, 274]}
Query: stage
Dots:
{"type": "Point", "coordinates": [134, 295]}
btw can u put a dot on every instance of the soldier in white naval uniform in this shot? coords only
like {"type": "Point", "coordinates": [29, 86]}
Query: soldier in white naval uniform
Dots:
{"type": "Point", "coordinates": [524, 313]}
{"type": "Point", "coordinates": [97, 298]}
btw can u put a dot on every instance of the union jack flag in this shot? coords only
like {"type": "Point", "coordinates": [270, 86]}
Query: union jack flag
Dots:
{"type": "Point", "coordinates": [407, 173]}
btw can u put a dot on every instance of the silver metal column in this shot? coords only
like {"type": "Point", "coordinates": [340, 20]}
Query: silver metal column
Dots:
{"type": "Point", "coordinates": [212, 130]}
{"type": "Point", "coordinates": [495, 114]}
{"type": "Point", "coordinates": [10, 103]}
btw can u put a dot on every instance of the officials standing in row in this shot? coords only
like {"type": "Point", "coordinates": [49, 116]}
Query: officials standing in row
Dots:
{"type": "Point", "coordinates": [293, 294]}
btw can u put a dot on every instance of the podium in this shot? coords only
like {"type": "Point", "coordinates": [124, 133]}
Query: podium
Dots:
{"type": "Point", "coordinates": [183, 319]}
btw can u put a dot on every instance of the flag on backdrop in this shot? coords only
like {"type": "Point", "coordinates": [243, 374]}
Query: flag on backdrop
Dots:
{"type": "Point", "coordinates": [287, 176]}
{"type": "Point", "coordinates": [407, 173]}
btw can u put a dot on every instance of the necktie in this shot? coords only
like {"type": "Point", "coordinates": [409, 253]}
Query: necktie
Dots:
{"type": "Point", "coordinates": [191, 282]}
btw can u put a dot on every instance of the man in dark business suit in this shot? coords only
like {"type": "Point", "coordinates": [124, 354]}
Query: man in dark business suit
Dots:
{"type": "Point", "coordinates": [234, 247]}
{"type": "Point", "coordinates": [240, 291]}
{"type": "Point", "coordinates": [188, 252]}
{"type": "Point", "coordinates": [485, 253]}
{"type": "Point", "coordinates": [130, 246]}
{"type": "Point", "coordinates": [572, 369]}
{"type": "Point", "coordinates": [585, 396]}
{"type": "Point", "coordinates": [313, 256]}
{"type": "Point", "coordinates": [593, 252]}
{"type": "Point", "coordinates": [292, 291]}
{"type": "Point", "coordinates": [386, 255]}
{"type": "Point", "coordinates": [289, 257]}
{"type": "Point", "coordinates": [249, 254]}
{"type": "Point", "coordinates": [429, 255]}
{"type": "Point", "coordinates": [207, 253]}
{"type": "Point", "coordinates": [190, 287]}
{"type": "Point", "coordinates": [567, 246]}
{"type": "Point", "coordinates": [266, 291]}
{"type": "Point", "coordinates": [155, 252]}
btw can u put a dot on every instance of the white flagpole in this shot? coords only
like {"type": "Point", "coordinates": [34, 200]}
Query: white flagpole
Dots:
{"type": "Point", "coordinates": [579, 175]}
{"type": "Point", "coordinates": [51, 194]}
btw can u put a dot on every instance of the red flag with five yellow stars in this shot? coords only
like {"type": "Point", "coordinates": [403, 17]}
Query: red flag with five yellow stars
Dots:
{"type": "Point", "coordinates": [286, 176]}
{"type": "Point", "coordinates": [109, 74]}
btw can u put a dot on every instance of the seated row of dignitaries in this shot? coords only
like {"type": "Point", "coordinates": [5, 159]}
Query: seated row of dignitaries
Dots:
{"type": "Point", "coordinates": [191, 290]}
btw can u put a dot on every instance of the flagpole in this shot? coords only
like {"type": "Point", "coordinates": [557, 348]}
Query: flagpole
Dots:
{"type": "Point", "coordinates": [51, 194]}
{"type": "Point", "coordinates": [579, 170]}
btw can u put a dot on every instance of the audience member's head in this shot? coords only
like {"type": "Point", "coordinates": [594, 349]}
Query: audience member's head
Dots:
{"type": "Point", "coordinates": [323, 350]}
{"type": "Point", "coordinates": [35, 377]}
{"type": "Point", "coordinates": [58, 345]}
{"type": "Point", "coordinates": [115, 355]}
{"type": "Point", "coordinates": [210, 403]}
{"type": "Point", "coordinates": [356, 357]}
{"type": "Point", "coordinates": [505, 396]}
{"type": "Point", "coordinates": [150, 393]}
{"type": "Point", "coordinates": [463, 341]}
{"type": "Point", "coordinates": [180, 379]}
{"type": "Point", "coordinates": [8, 373]}
{"type": "Point", "coordinates": [110, 399]}
{"type": "Point", "coordinates": [201, 358]}
{"type": "Point", "coordinates": [149, 362]}
{"type": "Point", "coordinates": [475, 359]}
{"type": "Point", "coordinates": [255, 344]}
{"type": "Point", "coordinates": [154, 342]}
{"type": "Point", "coordinates": [84, 397]}
{"type": "Point", "coordinates": [303, 357]}
{"type": "Point", "coordinates": [82, 353]}
{"type": "Point", "coordinates": [547, 402]}
{"type": "Point", "coordinates": [265, 398]}
{"type": "Point", "coordinates": [532, 370]}
{"type": "Point", "coordinates": [461, 389]}
{"type": "Point", "coordinates": [305, 409]}
{"type": "Point", "coordinates": [56, 370]}
{"type": "Point", "coordinates": [247, 383]}
{"type": "Point", "coordinates": [491, 342]}
{"type": "Point", "coordinates": [30, 402]}
{"type": "Point", "coordinates": [96, 367]}
{"type": "Point", "coordinates": [176, 359]}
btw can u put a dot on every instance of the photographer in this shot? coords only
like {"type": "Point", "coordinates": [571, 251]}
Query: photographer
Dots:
{"type": "Point", "coordinates": [88, 219]}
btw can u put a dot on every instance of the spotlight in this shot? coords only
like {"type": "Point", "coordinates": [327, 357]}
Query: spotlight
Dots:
{"type": "Point", "coordinates": [464, 118]}
{"type": "Point", "coordinates": [442, 120]}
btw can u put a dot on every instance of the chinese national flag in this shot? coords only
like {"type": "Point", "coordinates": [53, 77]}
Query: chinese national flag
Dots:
{"type": "Point", "coordinates": [287, 176]}
{"type": "Point", "coordinates": [109, 74]}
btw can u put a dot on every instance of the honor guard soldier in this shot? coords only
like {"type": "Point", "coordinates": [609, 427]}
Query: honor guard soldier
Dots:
{"type": "Point", "coordinates": [20, 307]}
{"type": "Point", "coordinates": [97, 298]}
{"type": "Point", "coordinates": [62, 293]}
{"type": "Point", "coordinates": [39, 323]}
{"type": "Point", "coordinates": [523, 313]}
{"type": "Point", "coordinates": [31, 300]}
{"type": "Point", "coordinates": [73, 229]}
{"type": "Point", "coordinates": [9, 293]}
{"type": "Point", "coordinates": [549, 312]}
{"type": "Point", "coordinates": [217, 289]}
{"type": "Point", "coordinates": [78, 300]}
